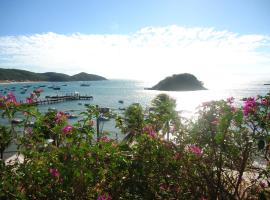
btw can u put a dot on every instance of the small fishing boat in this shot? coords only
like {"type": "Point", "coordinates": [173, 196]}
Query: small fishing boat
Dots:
{"type": "Point", "coordinates": [16, 121]}
{"type": "Point", "coordinates": [104, 118]}
{"type": "Point", "coordinates": [121, 101]}
{"type": "Point", "coordinates": [85, 84]}
{"type": "Point", "coordinates": [56, 88]}
{"type": "Point", "coordinates": [52, 109]}
{"type": "Point", "coordinates": [30, 124]}
{"type": "Point", "coordinates": [104, 110]}
{"type": "Point", "coordinates": [72, 116]}
{"type": "Point", "coordinates": [122, 108]}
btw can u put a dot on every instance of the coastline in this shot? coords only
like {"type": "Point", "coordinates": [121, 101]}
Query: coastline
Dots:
{"type": "Point", "coordinates": [5, 82]}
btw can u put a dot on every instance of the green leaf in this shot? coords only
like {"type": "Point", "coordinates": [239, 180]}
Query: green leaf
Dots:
{"type": "Point", "coordinates": [219, 137]}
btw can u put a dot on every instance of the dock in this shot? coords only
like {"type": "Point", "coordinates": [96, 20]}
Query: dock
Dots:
{"type": "Point", "coordinates": [62, 98]}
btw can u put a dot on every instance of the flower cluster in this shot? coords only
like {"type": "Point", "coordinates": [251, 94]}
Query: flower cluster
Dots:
{"type": "Point", "coordinates": [150, 131]}
{"type": "Point", "coordinates": [249, 106]}
{"type": "Point", "coordinates": [104, 197]}
{"type": "Point", "coordinates": [67, 129]}
{"type": "Point", "coordinates": [195, 149]}
{"type": "Point", "coordinates": [29, 100]}
{"type": "Point", "coordinates": [54, 172]}
{"type": "Point", "coordinates": [105, 139]}
{"type": "Point", "coordinates": [230, 100]}
{"type": "Point", "coordinates": [264, 102]}
{"type": "Point", "coordinates": [8, 100]}
{"type": "Point", "coordinates": [60, 117]}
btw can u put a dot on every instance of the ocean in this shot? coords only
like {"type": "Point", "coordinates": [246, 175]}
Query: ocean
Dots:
{"type": "Point", "coordinates": [108, 93]}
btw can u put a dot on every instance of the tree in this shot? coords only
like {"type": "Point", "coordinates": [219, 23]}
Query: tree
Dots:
{"type": "Point", "coordinates": [132, 123]}
{"type": "Point", "coordinates": [162, 114]}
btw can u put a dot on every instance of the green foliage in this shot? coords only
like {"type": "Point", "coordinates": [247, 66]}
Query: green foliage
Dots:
{"type": "Point", "coordinates": [132, 122]}
{"type": "Point", "coordinates": [162, 114]}
{"type": "Point", "coordinates": [5, 139]}
{"type": "Point", "coordinates": [209, 158]}
{"type": "Point", "coordinates": [179, 82]}
{"type": "Point", "coordinates": [23, 75]}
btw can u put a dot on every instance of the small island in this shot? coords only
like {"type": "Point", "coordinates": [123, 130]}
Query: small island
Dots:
{"type": "Point", "coordinates": [16, 75]}
{"type": "Point", "coordinates": [179, 82]}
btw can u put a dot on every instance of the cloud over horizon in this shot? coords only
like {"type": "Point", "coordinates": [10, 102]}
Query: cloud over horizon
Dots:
{"type": "Point", "coordinates": [149, 53]}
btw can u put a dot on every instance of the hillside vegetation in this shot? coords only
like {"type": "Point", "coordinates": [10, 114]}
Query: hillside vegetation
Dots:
{"type": "Point", "coordinates": [179, 82]}
{"type": "Point", "coordinates": [23, 75]}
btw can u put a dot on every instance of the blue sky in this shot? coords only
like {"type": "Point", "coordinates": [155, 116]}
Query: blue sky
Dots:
{"type": "Point", "coordinates": [124, 16]}
{"type": "Point", "coordinates": [132, 39]}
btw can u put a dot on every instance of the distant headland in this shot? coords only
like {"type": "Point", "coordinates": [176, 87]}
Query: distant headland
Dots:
{"type": "Point", "coordinates": [17, 75]}
{"type": "Point", "coordinates": [179, 82]}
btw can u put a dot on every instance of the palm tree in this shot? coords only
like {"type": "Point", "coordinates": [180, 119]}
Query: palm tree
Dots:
{"type": "Point", "coordinates": [162, 114]}
{"type": "Point", "coordinates": [132, 122]}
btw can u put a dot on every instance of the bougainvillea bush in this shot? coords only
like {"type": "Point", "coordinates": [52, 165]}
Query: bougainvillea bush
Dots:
{"type": "Point", "coordinates": [222, 153]}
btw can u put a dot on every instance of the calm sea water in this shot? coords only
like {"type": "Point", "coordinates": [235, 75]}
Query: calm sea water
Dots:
{"type": "Point", "coordinates": [108, 93]}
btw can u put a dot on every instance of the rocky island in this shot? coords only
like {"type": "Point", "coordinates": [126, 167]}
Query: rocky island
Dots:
{"type": "Point", "coordinates": [179, 82]}
{"type": "Point", "coordinates": [16, 75]}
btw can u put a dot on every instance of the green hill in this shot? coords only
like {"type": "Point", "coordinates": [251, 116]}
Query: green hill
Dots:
{"type": "Point", "coordinates": [179, 82]}
{"type": "Point", "coordinates": [23, 75]}
{"type": "Point", "coordinates": [85, 77]}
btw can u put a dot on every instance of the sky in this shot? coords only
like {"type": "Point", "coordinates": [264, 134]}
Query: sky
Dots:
{"type": "Point", "coordinates": [137, 39]}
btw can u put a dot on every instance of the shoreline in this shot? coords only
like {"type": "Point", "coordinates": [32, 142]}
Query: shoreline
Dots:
{"type": "Point", "coordinates": [4, 82]}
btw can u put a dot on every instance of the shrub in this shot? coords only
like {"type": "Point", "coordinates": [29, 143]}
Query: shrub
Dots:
{"type": "Point", "coordinates": [212, 156]}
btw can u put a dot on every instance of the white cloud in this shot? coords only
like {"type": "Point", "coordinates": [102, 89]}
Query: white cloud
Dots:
{"type": "Point", "coordinates": [150, 53]}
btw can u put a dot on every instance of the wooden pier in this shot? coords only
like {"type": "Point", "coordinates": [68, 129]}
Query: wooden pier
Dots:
{"type": "Point", "coordinates": [61, 98]}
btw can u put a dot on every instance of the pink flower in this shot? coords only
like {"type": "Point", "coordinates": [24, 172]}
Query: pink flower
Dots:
{"type": "Point", "coordinates": [59, 117]}
{"type": "Point", "coordinates": [249, 106]}
{"type": "Point", "coordinates": [163, 186]}
{"type": "Point", "coordinates": [195, 149]}
{"type": "Point", "coordinates": [150, 131]}
{"type": "Point", "coordinates": [105, 139]}
{"type": "Point", "coordinates": [10, 98]}
{"type": "Point", "coordinates": [10, 95]}
{"type": "Point", "coordinates": [54, 172]}
{"type": "Point", "coordinates": [262, 184]}
{"type": "Point", "coordinates": [29, 100]}
{"type": "Point", "coordinates": [104, 197]}
{"type": "Point", "coordinates": [67, 129]}
{"type": "Point", "coordinates": [230, 100]}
